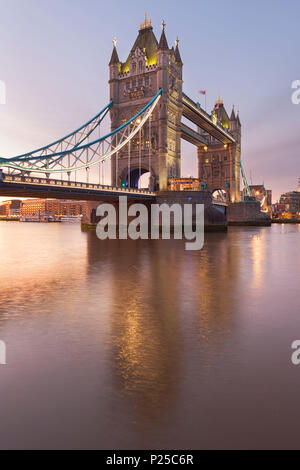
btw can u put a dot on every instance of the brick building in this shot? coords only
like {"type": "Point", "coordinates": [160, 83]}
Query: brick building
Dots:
{"type": "Point", "coordinates": [52, 207]}
{"type": "Point", "coordinates": [10, 208]}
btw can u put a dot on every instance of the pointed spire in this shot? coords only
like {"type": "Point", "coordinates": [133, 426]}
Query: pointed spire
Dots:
{"type": "Point", "coordinates": [177, 53]}
{"type": "Point", "coordinates": [238, 119]}
{"type": "Point", "coordinates": [232, 117]}
{"type": "Point", "coordinates": [163, 43]}
{"type": "Point", "coordinates": [114, 57]}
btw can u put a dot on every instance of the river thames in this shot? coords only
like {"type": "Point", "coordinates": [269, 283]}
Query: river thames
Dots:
{"type": "Point", "coordinates": [140, 344]}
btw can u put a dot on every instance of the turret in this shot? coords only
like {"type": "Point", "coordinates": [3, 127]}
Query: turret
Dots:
{"type": "Point", "coordinates": [221, 114]}
{"type": "Point", "coordinates": [114, 70]}
{"type": "Point", "coordinates": [232, 116]}
{"type": "Point", "coordinates": [114, 57]}
{"type": "Point", "coordinates": [163, 59]}
{"type": "Point", "coordinates": [232, 122]}
{"type": "Point", "coordinates": [177, 53]}
{"type": "Point", "coordinates": [163, 51]}
{"type": "Point", "coordinates": [114, 64]}
{"type": "Point", "coordinates": [163, 43]}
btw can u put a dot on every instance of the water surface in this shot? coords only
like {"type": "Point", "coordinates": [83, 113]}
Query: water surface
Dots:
{"type": "Point", "coordinates": [124, 344]}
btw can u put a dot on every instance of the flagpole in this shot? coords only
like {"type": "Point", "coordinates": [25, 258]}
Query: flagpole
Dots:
{"type": "Point", "coordinates": [203, 92]}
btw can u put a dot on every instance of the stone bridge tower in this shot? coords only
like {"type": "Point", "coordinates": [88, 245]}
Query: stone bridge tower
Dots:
{"type": "Point", "coordinates": [219, 165]}
{"type": "Point", "coordinates": [150, 66]}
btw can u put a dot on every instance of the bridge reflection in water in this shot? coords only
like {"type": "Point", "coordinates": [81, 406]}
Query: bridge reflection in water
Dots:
{"type": "Point", "coordinates": [123, 344]}
{"type": "Point", "coordinates": [148, 338]}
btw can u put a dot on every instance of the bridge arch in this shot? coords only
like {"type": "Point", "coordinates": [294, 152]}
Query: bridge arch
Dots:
{"type": "Point", "coordinates": [220, 194]}
{"type": "Point", "coordinates": [133, 177]}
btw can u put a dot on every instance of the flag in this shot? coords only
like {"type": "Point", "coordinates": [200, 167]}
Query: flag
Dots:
{"type": "Point", "coordinates": [202, 92]}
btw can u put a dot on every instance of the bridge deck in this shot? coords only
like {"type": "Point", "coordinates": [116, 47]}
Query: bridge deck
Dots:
{"type": "Point", "coordinates": [192, 136]}
{"type": "Point", "coordinates": [27, 186]}
{"type": "Point", "coordinates": [32, 187]}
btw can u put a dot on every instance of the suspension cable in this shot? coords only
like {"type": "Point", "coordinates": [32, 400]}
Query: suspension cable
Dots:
{"type": "Point", "coordinates": [129, 156]}
{"type": "Point", "coordinates": [150, 150]}
{"type": "Point", "coordinates": [140, 155]}
{"type": "Point", "coordinates": [124, 139]}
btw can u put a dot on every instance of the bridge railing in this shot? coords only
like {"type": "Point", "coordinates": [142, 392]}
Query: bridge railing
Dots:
{"type": "Point", "coordinates": [19, 179]}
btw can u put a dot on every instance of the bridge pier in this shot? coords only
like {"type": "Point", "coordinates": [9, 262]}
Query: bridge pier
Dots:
{"type": "Point", "coordinates": [215, 216]}
{"type": "Point", "coordinates": [90, 218]}
{"type": "Point", "coordinates": [247, 213]}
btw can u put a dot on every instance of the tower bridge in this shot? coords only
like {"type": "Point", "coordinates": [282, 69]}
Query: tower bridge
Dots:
{"type": "Point", "coordinates": [152, 66]}
{"type": "Point", "coordinates": [147, 106]}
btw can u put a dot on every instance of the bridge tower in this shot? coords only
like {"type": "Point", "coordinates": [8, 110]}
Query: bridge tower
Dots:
{"type": "Point", "coordinates": [150, 66]}
{"type": "Point", "coordinates": [219, 165]}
